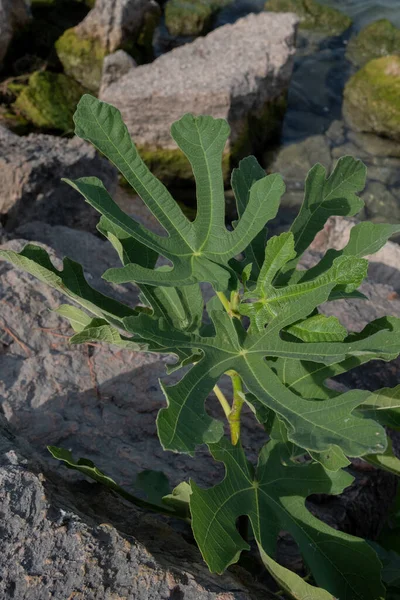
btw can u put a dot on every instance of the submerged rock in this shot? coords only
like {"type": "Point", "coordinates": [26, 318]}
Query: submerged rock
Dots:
{"type": "Point", "coordinates": [372, 98]}
{"type": "Point", "coordinates": [110, 25]}
{"type": "Point", "coordinates": [191, 17]}
{"type": "Point", "coordinates": [380, 38]}
{"type": "Point", "coordinates": [239, 72]}
{"type": "Point", "coordinates": [313, 15]}
{"type": "Point", "coordinates": [49, 100]}
{"type": "Point", "coordinates": [30, 179]}
{"type": "Point", "coordinates": [14, 14]}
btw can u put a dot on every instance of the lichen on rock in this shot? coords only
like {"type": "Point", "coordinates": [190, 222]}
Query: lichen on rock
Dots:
{"type": "Point", "coordinates": [81, 57]}
{"type": "Point", "coordinates": [312, 15]}
{"type": "Point", "coordinates": [372, 98]}
{"type": "Point", "coordinates": [380, 38]}
{"type": "Point", "coordinates": [49, 100]}
{"type": "Point", "coordinates": [191, 17]}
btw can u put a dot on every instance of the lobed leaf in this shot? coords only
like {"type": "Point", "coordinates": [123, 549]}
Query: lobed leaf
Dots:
{"type": "Point", "coordinates": [273, 497]}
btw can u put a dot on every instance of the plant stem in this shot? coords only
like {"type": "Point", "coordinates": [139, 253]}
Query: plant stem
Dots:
{"type": "Point", "coordinates": [222, 400]}
{"type": "Point", "coordinates": [231, 306]}
{"type": "Point", "coordinates": [224, 301]}
{"type": "Point", "coordinates": [237, 405]}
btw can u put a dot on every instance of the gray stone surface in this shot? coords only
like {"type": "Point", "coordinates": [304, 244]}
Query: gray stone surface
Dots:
{"type": "Point", "coordinates": [14, 14]}
{"type": "Point", "coordinates": [31, 169]}
{"type": "Point", "coordinates": [233, 72]}
{"type": "Point", "coordinates": [117, 22]}
{"type": "Point", "coordinates": [116, 65]}
{"type": "Point", "coordinates": [80, 542]}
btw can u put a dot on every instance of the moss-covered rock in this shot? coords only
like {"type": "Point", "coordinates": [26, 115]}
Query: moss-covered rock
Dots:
{"type": "Point", "coordinates": [191, 17]}
{"type": "Point", "coordinates": [82, 58]}
{"type": "Point", "coordinates": [377, 39]}
{"type": "Point", "coordinates": [372, 98]}
{"type": "Point", "coordinates": [312, 15]}
{"type": "Point", "coordinates": [49, 100]}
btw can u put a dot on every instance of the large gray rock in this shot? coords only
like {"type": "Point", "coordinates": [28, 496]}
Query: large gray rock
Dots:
{"type": "Point", "coordinates": [116, 22]}
{"type": "Point", "coordinates": [61, 542]}
{"type": "Point", "coordinates": [14, 14]}
{"type": "Point", "coordinates": [240, 72]}
{"type": "Point", "coordinates": [110, 25]}
{"type": "Point", "coordinates": [31, 169]}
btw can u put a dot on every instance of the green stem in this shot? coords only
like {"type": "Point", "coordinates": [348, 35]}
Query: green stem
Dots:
{"type": "Point", "coordinates": [231, 306]}
{"type": "Point", "coordinates": [222, 400]}
{"type": "Point", "coordinates": [224, 301]}
{"type": "Point", "coordinates": [237, 405]}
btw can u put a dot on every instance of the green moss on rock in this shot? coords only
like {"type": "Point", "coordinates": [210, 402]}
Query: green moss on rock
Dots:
{"type": "Point", "coordinates": [372, 98]}
{"type": "Point", "coordinates": [191, 17]}
{"type": "Point", "coordinates": [380, 38]}
{"type": "Point", "coordinates": [312, 15]}
{"type": "Point", "coordinates": [82, 58]}
{"type": "Point", "coordinates": [49, 100]}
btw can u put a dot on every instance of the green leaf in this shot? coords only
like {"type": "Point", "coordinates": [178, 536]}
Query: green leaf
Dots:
{"type": "Point", "coordinates": [383, 406]}
{"type": "Point", "coordinates": [98, 330]}
{"type": "Point", "coordinates": [154, 484]}
{"type": "Point", "coordinates": [88, 468]}
{"type": "Point", "coordinates": [248, 172]}
{"type": "Point", "coordinates": [293, 584]}
{"type": "Point", "coordinates": [269, 301]}
{"type": "Point", "coordinates": [325, 197]}
{"type": "Point", "coordinates": [319, 329]}
{"type": "Point", "coordinates": [365, 238]}
{"type": "Point", "coordinates": [273, 497]}
{"type": "Point", "coordinates": [332, 459]}
{"type": "Point", "coordinates": [77, 318]}
{"type": "Point", "coordinates": [199, 251]}
{"type": "Point", "coordinates": [313, 426]}
{"type": "Point", "coordinates": [387, 461]}
{"type": "Point", "coordinates": [70, 281]}
{"type": "Point", "coordinates": [179, 499]}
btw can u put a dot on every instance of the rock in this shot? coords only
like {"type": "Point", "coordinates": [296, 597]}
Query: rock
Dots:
{"type": "Point", "coordinates": [372, 98]}
{"type": "Point", "coordinates": [191, 17]}
{"type": "Point", "coordinates": [114, 66]}
{"type": "Point", "coordinates": [294, 161]}
{"type": "Point", "coordinates": [239, 72]}
{"type": "Point", "coordinates": [381, 204]}
{"type": "Point", "coordinates": [384, 266]}
{"type": "Point", "coordinates": [380, 38]}
{"type": "Point", "coordinates": [112, 24]}
{"type": "Point", "coordinates": [30, 179]}
{"type": "Point", "coordinates": [49, 100]}
{"type": "Point", "coordinates": [14, 14]}
{"type": "Point", "coordinates": [81, 542]}
{"type": "Point", "coordinates": [312, 15]}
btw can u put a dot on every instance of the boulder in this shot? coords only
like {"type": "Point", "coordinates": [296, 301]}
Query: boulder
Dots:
{"type": "Point", "coordinates": [115, 65]}
{"type": "Point", "coordinates": [380, 38]}
{"type": "Point", "coordinates": [49, 101]}
{"type": "Point", "coordinates": [110, 25]}
{"type": "Point", "coordinates": [61, 541]}
{"type": "Point", "coordinates": [14, 14]}
{"type": "Point", "coordinates": [372, 98]}
{"type": "Point", "coordinates": [31, 169]}
{"type": "Point", "coordinates": [312, 15]}
{"type": "Point", "coordinates": [191, 17]}
{"type": "Point", "coordinates": [240, 72]}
